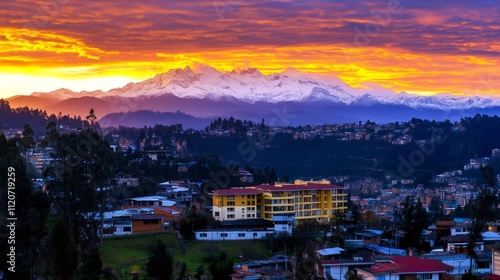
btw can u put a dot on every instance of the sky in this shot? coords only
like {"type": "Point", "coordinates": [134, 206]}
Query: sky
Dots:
{"type": "Point", "coordinates": [417, 46]}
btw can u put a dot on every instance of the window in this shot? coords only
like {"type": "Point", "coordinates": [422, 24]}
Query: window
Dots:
{"type": "Point", "coordinates": [217, 214]}
{"type": "Point", "coordinates": [230, 197]}
{"type": "Point", "coordinates": [230, 203]}
{"type": "Point", "coordinates": [230, 209]}
{"type": "Point", "coordinates": [127, 228]}
{"type": "Point", "coordinates": [426, 276]}
{"type": "Point", "coordinates": [203, 235]}
{"type": "Point", "coordinates": [146, 222]}
{"type": "Point", "coordinates": [154, 222]}
{"type": "Point", "coordinates": [223, 235]}
{"type": "Point", "coordinates": [241, 235]}
{"type": "Point", "coordinates": [230, 216]}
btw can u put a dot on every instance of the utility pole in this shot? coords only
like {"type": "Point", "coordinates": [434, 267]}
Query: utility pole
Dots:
{"type": "Point", "coordinates": [286, 259]}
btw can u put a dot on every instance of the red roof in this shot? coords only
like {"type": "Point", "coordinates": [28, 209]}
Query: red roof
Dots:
{"type": "Point", "coordinates": [308, 186]}
{"type": "Point", "coordinates": [492, 277]}
{"type": "Point", "coordinates": [409, 265]}
{"type": "Point", "coordinates": [243, 191]}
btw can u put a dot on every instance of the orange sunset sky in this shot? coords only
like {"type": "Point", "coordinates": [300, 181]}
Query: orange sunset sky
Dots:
{"type": "Point", "coordinates": [418, 46]}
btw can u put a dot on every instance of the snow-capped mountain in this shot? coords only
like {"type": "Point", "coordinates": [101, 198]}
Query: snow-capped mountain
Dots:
{"type": "Point", "coordinates": [250, 85]}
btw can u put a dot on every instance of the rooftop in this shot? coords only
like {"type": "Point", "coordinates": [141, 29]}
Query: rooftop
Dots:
{"type": "Point", "coordinates": [147, 217]}
{"type": "Point", "coordinates": [330, 251]}
{"type": "Point", "coordinates": [303, 187]}
{"type": "Point", "coordinates": [148, 198]}
{"type": "Point", "coordinates": [239, 191]}
{"type": "Point", "coordinates": [409, 265]}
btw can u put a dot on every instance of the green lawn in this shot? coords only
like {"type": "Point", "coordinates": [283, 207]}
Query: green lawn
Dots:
{"type": "Point", "coordinates": [128, 253]}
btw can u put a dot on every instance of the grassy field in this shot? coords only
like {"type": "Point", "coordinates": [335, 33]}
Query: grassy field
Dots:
{"type": "Point", "coordinates": [129, 253]}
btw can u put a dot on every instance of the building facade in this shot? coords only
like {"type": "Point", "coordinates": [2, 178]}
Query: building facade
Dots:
{"type": "Point", "coordinates": [235, 204]}
{"type": "Point", "coordinates": [301, 200]}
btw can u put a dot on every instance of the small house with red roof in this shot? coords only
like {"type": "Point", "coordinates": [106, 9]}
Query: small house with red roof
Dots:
{"type": "Point", "coordinates": [406, 268]}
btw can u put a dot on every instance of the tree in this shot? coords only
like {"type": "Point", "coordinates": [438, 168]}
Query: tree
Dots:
{"type": "Point", "coordinates": [352, 275]}
{"type": "Point", "coordinates": [27, 142]}
{"type": "Point", "coordinates": [63, 253]}
{"type": "Point", "coordinates": [160, 263]}
{"type": "Point", "coordinates": [194, 220]}
{"type": "Point", "coordinates": [221, 267]}
{"type": "Point", "coordinates": [31, 211]}
{"type": "Point", "coordinates": [91, 268]}
{"type": "Point", "coordinates": [91, 117]}
{"type": "Point", "coordinates": [483, 210]}
{"type": "Point", "coordinates": [435, 209]}
{"type": "Point", "coordinates": [200, 271]}
{"type": "Point", "coordinates": [414, 221]}
{"type": "Point", "coordinates": [370, 219]}
{"type": "Point", "coordinates": [79, 180]}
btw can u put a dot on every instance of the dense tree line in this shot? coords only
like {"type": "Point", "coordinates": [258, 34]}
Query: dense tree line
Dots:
{"type": "Point", "coordinates": [31, 211]}
{"type": "Point", "coordinates": [56, 234]}
{"type": "Point", "coordinates": [36, 118]}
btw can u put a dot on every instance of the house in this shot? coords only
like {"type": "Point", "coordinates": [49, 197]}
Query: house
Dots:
{"type": "Point", "coordinates": [329, 253]}
{"type": "Point", "coordinates": [337, 269]}
{"type": "Point", "coordinates": [232, 234]}
{"type": "Point", "coordinates": [331, 263]}
{"type": "Point", "coordinates": [359, 239]}
{"type": "Point", "coordinates": [158, 154]}
{"type": "Point", "coordinates": [385, 251]}
{"type": "Point", "coordinates": [274, 274]}
{"type": "Point", "coordinates": [494, 226]}
{"type": "Point", "coordinates": [175, 192]}
{"type": "Point", "coordinates": [131, 221]}
{"type": "Point", "coordinates": [495, 263]}
{"type": "Point", "coordinates": [405, 268]}
{"type": "Point", "coordinates": [275, 267]}
{"type": "Point", "coordinates": [142, 223]}
{"type": "Point", "coordinates": [461, 262]}
{"type": "Point", "coordinates": [247, 229]}
{"type": "Point", "coordinates": [245, 176]}
{"type": "Point", "coordinates": [246, 276]}
{"type": "Point", "coordinates": [147, 201]}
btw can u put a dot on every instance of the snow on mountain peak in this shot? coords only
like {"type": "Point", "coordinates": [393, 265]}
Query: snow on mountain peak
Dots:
{"type": "Point", "coordinates": [250, 85]}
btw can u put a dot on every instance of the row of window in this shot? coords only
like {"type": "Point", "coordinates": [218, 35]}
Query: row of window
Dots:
{"type": "Point", "coordinates": [231, 197]}
{"type": "Point", "coordinates": [241, 234]}
{"type": "Point", "coordinates": [231, 203]}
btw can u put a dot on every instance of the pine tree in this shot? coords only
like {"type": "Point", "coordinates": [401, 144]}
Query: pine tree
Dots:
{"type": "Point", "coordinates": [160, 263]}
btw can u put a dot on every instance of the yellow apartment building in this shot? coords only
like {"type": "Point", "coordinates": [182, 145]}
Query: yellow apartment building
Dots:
{"type": "Point", "coordinates": [317, 200]}
{"type": "Point", "coordinates": [235, 204]}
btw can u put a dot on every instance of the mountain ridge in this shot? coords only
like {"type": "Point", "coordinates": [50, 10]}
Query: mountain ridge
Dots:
{"type": "Point", "coordinates": [250, 85]}
{"type": "Point", "coordinates": [202, 91]}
